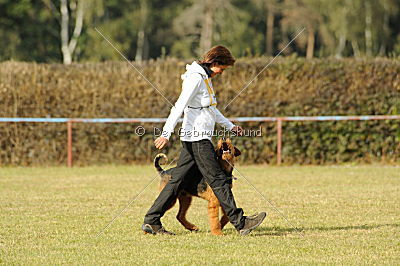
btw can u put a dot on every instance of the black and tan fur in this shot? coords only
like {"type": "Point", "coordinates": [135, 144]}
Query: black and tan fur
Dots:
{"type": "Point", "coordinates": [197, 186]}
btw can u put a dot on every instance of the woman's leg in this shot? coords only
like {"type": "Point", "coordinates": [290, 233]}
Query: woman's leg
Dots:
{"type": "Point", "coordinates": [170, 192]}
{"type": "Point", "coordinates": [206, 160]}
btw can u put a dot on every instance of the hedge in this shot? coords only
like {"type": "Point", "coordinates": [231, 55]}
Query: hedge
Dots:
{"type": "Point", "coordinates": [289, 87]}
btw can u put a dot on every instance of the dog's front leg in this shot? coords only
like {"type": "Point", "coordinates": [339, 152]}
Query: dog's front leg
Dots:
{"type": "Point", "coordinates": [213, 215]}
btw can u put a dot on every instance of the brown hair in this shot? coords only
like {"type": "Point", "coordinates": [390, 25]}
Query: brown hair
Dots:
{"type": "Point", "coordinates": [219, 55]}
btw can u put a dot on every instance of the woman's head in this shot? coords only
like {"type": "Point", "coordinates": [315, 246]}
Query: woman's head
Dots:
{"type": "Point", "coordinates": [218, 59]}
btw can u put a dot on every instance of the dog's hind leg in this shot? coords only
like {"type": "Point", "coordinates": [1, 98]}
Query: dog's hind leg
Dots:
{"type": "Point", "coordinates": [213, 215]}
{"type": "Point", "coordinates": [184, 204]}
{"type": "Point", "coordinates": [224, 219]}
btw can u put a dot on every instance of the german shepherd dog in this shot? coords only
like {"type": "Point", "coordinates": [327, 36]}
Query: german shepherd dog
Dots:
{"type": "Point", "coordinates": [198, 187]}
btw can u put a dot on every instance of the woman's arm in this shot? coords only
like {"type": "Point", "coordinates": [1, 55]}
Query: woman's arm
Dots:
{"type": "Point", "coordinates": [189, 88]}
{"type": "Point", "coordinates": [223, 121]}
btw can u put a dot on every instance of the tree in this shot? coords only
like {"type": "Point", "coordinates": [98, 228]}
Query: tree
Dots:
{"type": "Point", "coordinates": [68, 44]}
{"type": "Point", "coordinates": [302, 13]}
{"type": "Point", "coordinates": [27, 32]}
{"type": "Point", "coordinates": [368, 25]}
{"type": "Point", "coordinates": [203, 23]}
{"type": "Point", "coordinates": [63, 30]}
{"type": "Point", "coordinates": [268, 8]}
{"type": "Point", "coordinates": [336, 21]}
{"type": "Point", "coordinates": [141, 44]}
{"type": "Point", "coordinates": [206, 36]}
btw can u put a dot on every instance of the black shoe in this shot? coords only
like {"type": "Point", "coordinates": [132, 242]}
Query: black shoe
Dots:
{"type": "Point", "coordinates": [155, 230]}
{"type": "Point", "coordinates": [251, 222]}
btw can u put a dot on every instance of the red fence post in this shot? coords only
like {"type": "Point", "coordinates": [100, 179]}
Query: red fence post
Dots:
{"type": "Point", "coordinates": [279, 140]}
{"type": "Point", "coordinates": [69, 146]}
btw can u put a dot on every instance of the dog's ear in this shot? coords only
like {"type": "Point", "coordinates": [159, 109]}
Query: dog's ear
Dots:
{"type": "Point", "coordinates": [237, 152]}
{"type": "Point", "coordinates": [218, 148]}
{"type": "Point", "coordinates": [219, 143]}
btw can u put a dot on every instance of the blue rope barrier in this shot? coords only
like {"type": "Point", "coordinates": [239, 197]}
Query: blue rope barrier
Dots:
{"type": "Point", "coordinates": [162, 120]}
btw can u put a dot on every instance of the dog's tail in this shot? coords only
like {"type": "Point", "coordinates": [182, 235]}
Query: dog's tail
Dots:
{"type": "Point", "coordinates": [157, 161]}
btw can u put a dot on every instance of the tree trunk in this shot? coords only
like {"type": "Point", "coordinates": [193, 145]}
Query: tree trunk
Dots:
{"type": "Point", "coordinates": [207, 28]}
{"type": "Point", "coordinates": [343, 30]}
{"type": "Point", "coordinates": [386, 28]}
{"type": "Point", "coordinates": [310, 43]}
{"type": "Point", "coordinates": [270, 30]}
{"type": "Point", "coordinates": [78, 27]}
{"type": "Point", "coordinates": [356, 49]}
{"type": "Point", "coordinates": [141, 34]}
{"type": "Point", "coordinates": [67, 58]}
{"type": "Point", "coordinates": [139, 46]}
{"type": "Point", "coordinates": [68, 46]}
{"type": "Point", "coordinates": [341, 45]}
{"type": "Point", "coordinates": [368, 28]}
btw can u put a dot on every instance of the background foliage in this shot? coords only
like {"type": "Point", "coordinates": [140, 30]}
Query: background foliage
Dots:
{"type": "Point", "coordinates": [290, 87]}
{"type": "Point", "coordinates": [145, 29]}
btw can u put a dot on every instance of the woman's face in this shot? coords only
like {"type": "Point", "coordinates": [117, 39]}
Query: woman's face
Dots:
{"type": "Point", "coordinates": [217, 69]}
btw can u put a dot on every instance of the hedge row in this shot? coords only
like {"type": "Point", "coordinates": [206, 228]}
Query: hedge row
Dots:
{"type": "Point", "coordinates": [289, 87]}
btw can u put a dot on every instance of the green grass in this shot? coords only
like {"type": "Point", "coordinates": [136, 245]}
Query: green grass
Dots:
{"type": "Point", "coordinates": [346, 214]}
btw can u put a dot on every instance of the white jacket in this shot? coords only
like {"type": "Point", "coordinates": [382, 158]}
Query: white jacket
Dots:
{"type": "Point", "coordinates": [198, 123]}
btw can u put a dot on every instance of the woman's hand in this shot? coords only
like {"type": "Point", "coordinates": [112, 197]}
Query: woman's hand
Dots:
{"type": "Point", "coordinates": [160, 142]}
{"type": "Point", "coordinates": [238, 130]}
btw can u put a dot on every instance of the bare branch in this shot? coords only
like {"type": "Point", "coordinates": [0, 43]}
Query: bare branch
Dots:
{"type": "Point", "coordinates": [78, 27]}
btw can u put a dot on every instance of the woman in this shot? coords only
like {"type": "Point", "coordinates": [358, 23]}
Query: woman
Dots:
{"type": "Point", "coordinates": [198, 103]}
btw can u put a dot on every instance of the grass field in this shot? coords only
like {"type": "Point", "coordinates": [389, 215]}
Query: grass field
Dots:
{"type": "Point", "coordinates": [346, 215]}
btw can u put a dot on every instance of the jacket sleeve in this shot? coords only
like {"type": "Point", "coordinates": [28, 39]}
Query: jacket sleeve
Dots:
{"type": "Point", "coordinates": [222, 120]}
{"type": "Point", "coordinates": [189, 88]}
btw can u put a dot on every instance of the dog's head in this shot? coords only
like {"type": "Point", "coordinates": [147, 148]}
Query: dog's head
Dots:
{"type": "Point", "coordinates": [226, 151]}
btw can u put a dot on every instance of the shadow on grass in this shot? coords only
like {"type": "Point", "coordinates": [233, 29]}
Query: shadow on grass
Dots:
{"type": "Point", "coordinates": [284, 231]}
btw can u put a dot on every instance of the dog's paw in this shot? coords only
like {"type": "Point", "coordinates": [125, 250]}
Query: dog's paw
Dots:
{"type": "Point", "coordinates": [217, 233]}
{"type": "Point", "coordinates": [193, 229]}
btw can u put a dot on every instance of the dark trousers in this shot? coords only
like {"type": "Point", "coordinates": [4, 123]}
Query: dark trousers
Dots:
{"type": "Point", "coordinates": [201, 154]}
